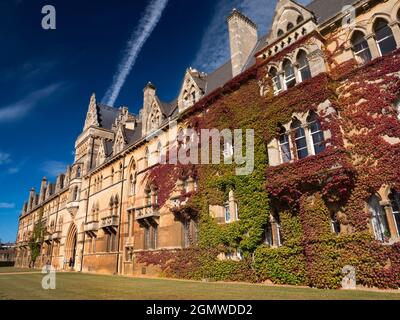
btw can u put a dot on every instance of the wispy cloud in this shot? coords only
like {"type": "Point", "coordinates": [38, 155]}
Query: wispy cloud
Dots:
{"type": "Point", "coordinates": [4, 158]}
{"type": "Point", "coordinates": [5, 205]}
{"type": "Point", "coordinates": [21, 108]}
{"type": "Point", "coordinates": [214, 49]}
{"type": "Point", "coordinates": [147, 23]}
{"type": "Point", "coordinates": [53, 168]}
{"type": "Point", "coordinates": [13, 170]}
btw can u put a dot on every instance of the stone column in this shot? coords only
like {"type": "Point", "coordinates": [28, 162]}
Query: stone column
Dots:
{"type": "Point", "coordinates": [373, 46]}
{"type": "Point", "coordinates": [390, 218]}
{"type": "Point", "coordinates": [396, 32]}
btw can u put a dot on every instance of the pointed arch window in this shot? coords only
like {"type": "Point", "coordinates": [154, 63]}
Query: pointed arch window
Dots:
{"type": "Point", "coordinates": [290, 78]}
{"type": "Point", "coordinates": [280, 33]}
{"type": "Point", "coordinates": [395, 202]}
{"type": "Point", "coordinates": [316, 133]}
{"type": "Point", "coordinates": [300, 19]}
{"type": "Point", "coordinates": [290, 26]}
{"type": "Point", "coordinates": [146, 157]}
{"type": "Point", "coordinates": [384, 36]}
{"type": "Point", "coordinates": [304, 67]}
{"type": "Point", "coordinates": [276, 81]}
{"type": "Point", "coordinates": [284, 145]}
{"type": "Point", "coordinates": [159, 153]}
{"type": "Point", "coordinates": [361, 48]}
{"type": "Point", "coordinates": [378, 219]}
{"type": "Point", "coordinates": [147, 197]}
{"type": "Point", "coordinates": [300, 139]}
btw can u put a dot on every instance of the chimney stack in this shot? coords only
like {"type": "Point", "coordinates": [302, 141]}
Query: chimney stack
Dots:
{"type": "Point", "coordinates": [243, 38]}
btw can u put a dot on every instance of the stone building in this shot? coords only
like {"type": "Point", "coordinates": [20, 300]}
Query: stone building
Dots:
{"type": "Point", "coordinates": [7, 253]}
{"type": "Point", "coordinates": [104, 209]}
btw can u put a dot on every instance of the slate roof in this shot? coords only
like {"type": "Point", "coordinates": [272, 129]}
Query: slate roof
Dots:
{"type": "Point", "coordinates": [219, 77]}
{"type": "Point", "coordinates": [106, 116]}
{"type": "Point", "coordinates": [326, 9]}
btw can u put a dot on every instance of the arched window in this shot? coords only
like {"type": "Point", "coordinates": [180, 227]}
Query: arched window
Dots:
{"type": "Point", "coordinates": [120, 171]}
{"type": "Point", "coordinates": [300, 19]}
{"type": "Point", "coordinates": [159, 153]}
{"type": "Point", "coordinates": [146, 157]}
{"type": "Point", "coordinates": [360, 47]}
{"type": "Point", "coordinates": [132, 184]}
{"type": "Point", "coordinates": [280, 33]}
{"type": "Point", "coordinates": [300, 139]}
{"type": "Point", "coordinates": [378, 219]}
{"type": "Point", "coordinates": [304, 67]}
{"type": "Point", "coordinates": [75, 194]}
{"type": "Point", "coordinates": [316, 132]}
{"type": "Point", "coordinates": [290, 26]}
{"type": "Point", "coordinates": [147, 198]}
{"type": "Point", "coordinates": [276, 81]}
{"type": "Point", "coordinates": [78, 172]}
{"type": "Point", "coordinates": [384, 37]}
{"type": "Point", "coordinates": [395, 201]}
{"type": "Point", "coordinates": [284, 145]}
{"type": "Point", "coordinates": [290, 78]}
{"type": "Point", "coordinates": [397, 106]}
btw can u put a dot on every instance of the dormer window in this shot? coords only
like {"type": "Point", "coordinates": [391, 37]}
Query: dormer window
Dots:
{"type": "Point", "coordinates": [290, 26]}
{"type": "Point", "coordinates": [280, 33]}
{"type": "Point", "coordinates": [300, 19]}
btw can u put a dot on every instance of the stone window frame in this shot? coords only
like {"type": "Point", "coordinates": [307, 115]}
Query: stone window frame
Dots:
{"type": "Point", "coordinates": [274, 147]}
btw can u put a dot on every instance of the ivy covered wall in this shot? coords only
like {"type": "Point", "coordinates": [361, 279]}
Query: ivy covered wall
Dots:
{"type": "Point", "coordinates": [357, 162]}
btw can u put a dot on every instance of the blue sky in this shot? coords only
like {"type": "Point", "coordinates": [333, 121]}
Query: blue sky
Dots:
{"type": "Point", "coordinates": [47, 76]}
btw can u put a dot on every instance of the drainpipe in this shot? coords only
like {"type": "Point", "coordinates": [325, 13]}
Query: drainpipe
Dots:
{"type": "Point", "coordinates": [120, 215]}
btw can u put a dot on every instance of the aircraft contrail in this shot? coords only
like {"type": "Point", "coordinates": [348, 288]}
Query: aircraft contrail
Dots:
{"type": "Point", "coordinates": [147, 23]}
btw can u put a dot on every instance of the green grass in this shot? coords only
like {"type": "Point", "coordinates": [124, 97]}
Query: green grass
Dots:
{"type": "Point", "coordinates": [74, 286]}
{"type": "Point", "coordinates": [15, 270]}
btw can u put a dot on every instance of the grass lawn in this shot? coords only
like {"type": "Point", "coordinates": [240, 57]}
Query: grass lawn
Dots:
{"type": "Point", "coordinates": [75, 286]}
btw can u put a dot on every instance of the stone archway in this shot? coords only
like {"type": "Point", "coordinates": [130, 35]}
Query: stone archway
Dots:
{"type": "Point", "coordinates": [71, 244]}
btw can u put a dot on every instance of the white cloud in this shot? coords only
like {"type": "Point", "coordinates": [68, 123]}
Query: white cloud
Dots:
{"type": "Point", "coordinates": [5, 205]}
{"type": "Point", "coordinates": [147, 24]}
{"type": "Point", "coordinates": [13, 170]}
{"type": "Point", "coordinates": [21, 108]}
{"type": "Point", "coordinates": [214, 49]}
{"type": "Point", "coordinates": [4, 158]}
{"type": "Point", "coordinates": [53, 168]}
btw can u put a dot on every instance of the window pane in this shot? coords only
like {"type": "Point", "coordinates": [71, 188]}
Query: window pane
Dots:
{"type": "Point", "coordinates": [227, 213]}
{"type": "Point", "coordinates": [378, 219]}
{"type": "Point", "coordinates": [384, 37]}
{"type": "Point", "coordinates": [285, 148]}
{"type": "Point", "coordinates": [388, 45]}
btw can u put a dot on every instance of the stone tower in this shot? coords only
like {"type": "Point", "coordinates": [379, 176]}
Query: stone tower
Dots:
{"type": "Point", "coordinates": [243, 38]}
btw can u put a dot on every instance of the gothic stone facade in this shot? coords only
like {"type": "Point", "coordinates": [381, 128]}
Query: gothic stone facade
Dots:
{"type": "Point", "coordinates": [102, 211]}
